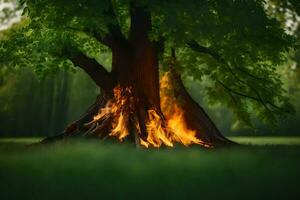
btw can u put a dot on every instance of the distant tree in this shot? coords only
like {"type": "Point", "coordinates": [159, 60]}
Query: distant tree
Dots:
{"type": "Point", "coordinates": [234, 44]}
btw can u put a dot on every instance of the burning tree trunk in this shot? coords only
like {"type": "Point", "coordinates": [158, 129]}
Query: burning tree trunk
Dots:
{"type": "Point", "coordinates": [183, 113]}
{"type": "Point", "coordinates": [134, 103]}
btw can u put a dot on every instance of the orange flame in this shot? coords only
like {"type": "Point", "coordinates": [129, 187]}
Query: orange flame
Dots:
{"type": "Point", "coordinates": [160, 131]}
{"type": "Point", "coordinates": [117, 109]}
{"type": "Point", "coordinates": [174, 131]}
{"type": "Point", "coordinates": [157, 134]}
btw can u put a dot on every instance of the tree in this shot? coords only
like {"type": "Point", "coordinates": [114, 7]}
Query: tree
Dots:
{"type": "Point", "coordinates": [235, 44]}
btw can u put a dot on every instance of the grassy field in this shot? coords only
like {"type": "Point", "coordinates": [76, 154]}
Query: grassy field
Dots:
{"type": "Point", "coordinates": [268, 168]}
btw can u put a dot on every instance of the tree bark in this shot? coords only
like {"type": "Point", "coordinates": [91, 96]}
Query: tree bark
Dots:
{"type": "Point", "coordinates": [135, 73]}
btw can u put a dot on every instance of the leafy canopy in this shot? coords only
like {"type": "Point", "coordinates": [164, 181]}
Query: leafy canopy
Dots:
{"type": "Point", "coordinates": [233, 46]}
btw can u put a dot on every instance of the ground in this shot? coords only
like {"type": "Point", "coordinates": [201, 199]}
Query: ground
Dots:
{"type": "Point", "coordinates": [269, 169]}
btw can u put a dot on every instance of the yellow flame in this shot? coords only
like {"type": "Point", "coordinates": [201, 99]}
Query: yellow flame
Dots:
{"type": "Point", "coordinates": [157, 134]}
{"type": "Point", "coordinates": [114, 108]}
{"type": "Point", "coordinates": [181, 133]}
{"type": "Point", "coordinates": [173, 129]}
{"type": "Point", "coordinates": [119, 128]}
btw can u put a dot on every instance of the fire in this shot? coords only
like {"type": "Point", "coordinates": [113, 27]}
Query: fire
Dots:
{"type": "Point", "coordinates": [175, 128]}
{"type": "Point", "coordinates": [119, 129]}
{"type": "Point", "coordinates": [162, 129]}
{"type": "Point", "coordinates": [181, 133]}
{"type": "Point", "coordinates": [175, 114]}
{"type": "Point", "coordinates": [118, 110]}
{"type": "Point", "coordinates": [157, 133]}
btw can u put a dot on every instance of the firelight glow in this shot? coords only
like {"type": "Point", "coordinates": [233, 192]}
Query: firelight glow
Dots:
{"type": "Point", "coordinates": [159, 131]}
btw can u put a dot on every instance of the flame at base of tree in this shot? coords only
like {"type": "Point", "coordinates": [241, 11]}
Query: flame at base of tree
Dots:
{"type": "Point", "coordinates": [174, 131]}
{"type": "Point", "coordinates": [161, 129]}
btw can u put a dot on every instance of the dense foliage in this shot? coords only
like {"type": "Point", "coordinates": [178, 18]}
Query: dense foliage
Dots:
{"type": "Point", "coordinates": [233, 46]}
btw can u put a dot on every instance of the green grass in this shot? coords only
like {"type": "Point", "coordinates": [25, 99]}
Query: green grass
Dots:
{"type": "Point", "coordinates": [90, 170]}
{"type": "Point", "coordinates": [28, 140]}
{"type": "Point", "coordinates": [267, 141]}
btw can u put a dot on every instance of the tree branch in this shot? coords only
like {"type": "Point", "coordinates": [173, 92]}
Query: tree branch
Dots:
{"type": "Point", "coordinates": [231, 91]}
{"type": "Point", "coordinates": [115, 36]}
{"type": "Point", "coordinates": [95, 70]}
{"type": "Point", "coordinates": [196, 47]}
{"type": "Point", "coordinates": [201, 49]}
{"type": "Point", "coordinates": [159, 45]}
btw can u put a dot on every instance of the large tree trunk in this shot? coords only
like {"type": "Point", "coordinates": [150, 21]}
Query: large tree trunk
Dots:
{"type": "Point", "coordinates": [136, 82]}
{"type": "Point", "coordinates": [130, 105]}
